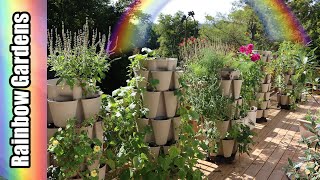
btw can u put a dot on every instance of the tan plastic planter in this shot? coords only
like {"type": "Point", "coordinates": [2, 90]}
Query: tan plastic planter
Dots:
{"type": "Point", "coordinates": [267, 96]}
{"type": "Point", "coordinates": [265, 88]}
{"type": "Point", "coordinates": [222, 127]}
{"type": "Point", "coordinates": [93, 166]}
{"type": "Point", "coordinates": [176, 122]}
{"type": "Point", "coordinates": [161, 112]}
{"type": "Point", "coordinates": [284, 100]}
{"type": "Point", "coordinates": [177, 75]}
{"type": "Point", "coordinates": [266, 113]}
{"type": "Point", "coordinates": [260, 96]}
{"type": "Point", "coordinates": [161, 130]}
{"type": "Point", "coordinates": [98, 130]}
{"type": "Point", "coordinates": [172, 64]}
{"type": "Point", "coordinates": [268, 78]}
{"type": "Point", "coordinates": [151, 101]}
{"type": "Point", "coordinates": [166, 149]}
{"type": "Point", "coordinates": [286, 78]}
{"type": "Point", "coordinates": [269, 104]}
{"type": "Point", "coordinates": [62, 111]}
{"type": "Point", "coordinates": [141, 124]}
{"type": "Point", "coordinates": [171, 103]}
{"type": "Point", "coordinates": [227, 147]}
{"type": "Point", "coordinates": [303, 128]}
{"type": "Point", "coordinates": [237, 88]}
{"type": "Point", "coordinates": [264, 105]}
{"type": "Point", "coordinates": [102, 172]}
{"type": "Point", "coordinates": [225, 87]}
{"type": "Point", "coordinates": [157, 65]}
{"type": "Point", "coordinates": [49, 115]}
{"type": "Point", "coordinates": [50, 133]}
{"type": "Point", "coordinates": [164, 78]}
{"type": "Point", "coordinates": [52, 90]}
{"type": "Point", "coordinates": [155, 151]}
{"type": "Point", "coordinates": [259, 113]}
{"type": "Point", "coordinates": [144, 75]}
{"type": "Point", "coordinates": [91, 107]}
{"type": "Point", "coordinates": [88, 130]}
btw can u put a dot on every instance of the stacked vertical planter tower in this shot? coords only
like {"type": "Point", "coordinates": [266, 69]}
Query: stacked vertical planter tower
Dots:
{"type": "Point", "coordinates": [264, 93]}
{"type": "Point", "coordinates": [160, 99]}
{"type": "Point", "coordinates": [284, 99]}
{"type": "Point", "coordinates": [230, 87]}
{"type": "Point", "coordinates": [64, 103]}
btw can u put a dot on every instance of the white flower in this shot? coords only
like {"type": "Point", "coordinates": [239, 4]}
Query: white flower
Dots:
{"type": "Point", "coordinates": [146, 50]}
{"type": "Point", "coordinates": [115, 92]}
{"type": "Point", "coordinates": [121, 94]}
{"type": "Point", "coordinates": [118, 114]}
{"type": "Point", "coordinates": [132, 106]}
{"type": "Point", "coordinates": [133, 94]}
{"type": "Point", "coordinates": [60, 129]}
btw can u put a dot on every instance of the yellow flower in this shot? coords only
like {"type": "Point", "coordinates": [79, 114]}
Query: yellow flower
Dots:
{"type": "Point", "coordinates": [55, 142]}
{"type": "Point", "coordinates": [93, 173]}
{"type": "Point", "coordinates": [96, 149]}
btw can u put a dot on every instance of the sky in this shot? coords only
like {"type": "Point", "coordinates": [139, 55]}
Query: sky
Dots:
{"type": "Point", "coordinates": [201, 8]}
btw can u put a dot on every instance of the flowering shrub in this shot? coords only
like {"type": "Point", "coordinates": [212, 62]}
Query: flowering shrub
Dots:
{"type": "Point", "coordinates": [72, 149]}
{"type": "Point", "coordinates": [250, 67]}
{"type": "Point", "coordinates": [247, 51]}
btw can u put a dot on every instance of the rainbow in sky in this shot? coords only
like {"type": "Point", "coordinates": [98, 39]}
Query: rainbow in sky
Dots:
{"type": "Point", "coordinates": [124, 36]}
{"type": "Point", "coordinates": [279, 22]}
{"type": "Point", "coordinates": [38, 11]}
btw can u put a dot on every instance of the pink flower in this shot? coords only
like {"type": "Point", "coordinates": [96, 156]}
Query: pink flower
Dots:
{"type": "Point", "coordinates": [255, 57]}
{"type": "Point", "coordinates": [248, 51]}
{"type": "Point", "coordinates": [243, 49]}
{"type": "Point", "coordinates": [250, 47]}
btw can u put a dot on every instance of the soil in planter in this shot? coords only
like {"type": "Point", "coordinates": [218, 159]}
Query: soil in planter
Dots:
{"type": "Point", "coordinates": [220, 159]}
{"type": "Point", "coordinates": [261, 120]}
{"type": "Point", "coordinates": [285, 107]}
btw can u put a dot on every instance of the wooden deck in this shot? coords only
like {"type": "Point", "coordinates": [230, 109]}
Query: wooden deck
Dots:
{"type": "Point", "coordinates": [276, 141]}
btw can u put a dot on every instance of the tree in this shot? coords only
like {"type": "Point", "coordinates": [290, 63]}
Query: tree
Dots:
{"type": "Point", "coordinates": [241, 26]}
{"type": "Point", "coordinates": [308, 12]}
{"type": "Point", "coordinates": [172, 30]}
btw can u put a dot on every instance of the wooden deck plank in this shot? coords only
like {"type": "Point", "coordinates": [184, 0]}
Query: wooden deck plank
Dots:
{"type": "Point", "coordinates": [277, 140]}
{"type": "Point", "coordinates": [245, 161]}
{"type": "Point", "coordinates": [259, 162]}
{"type": "Point", "coordinates": [275, 157]}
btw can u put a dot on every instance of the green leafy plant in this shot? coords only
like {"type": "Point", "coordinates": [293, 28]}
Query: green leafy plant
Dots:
{"type": "Point", "coordinates": [72, 149]}
{"type": "Point", "coordinates": [244, 138]}
{"type": "Point", "coordinates": [301, 61]}
{"type": "Point", "coordinates": [309, 165]}
{"type": "Point", "coordinates": [77, 60]}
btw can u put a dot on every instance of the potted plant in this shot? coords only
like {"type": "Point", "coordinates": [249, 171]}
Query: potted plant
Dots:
{"type": "Point", "coordinates": [306, 125]}
{"type": "Point", "coordinates": [71, 148]}
{"type": "Point", "coordinates": [151, 99]}
{"type": "Point", "coordinates": [228, 142]}
{"type": "Point", "coordinates": [79, 64]}
{"type": "Point", "coordinates": [309, 164]}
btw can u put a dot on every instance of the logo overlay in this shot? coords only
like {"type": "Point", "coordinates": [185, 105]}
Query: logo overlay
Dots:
{"type": "Point", "coordinates": [19, 80]}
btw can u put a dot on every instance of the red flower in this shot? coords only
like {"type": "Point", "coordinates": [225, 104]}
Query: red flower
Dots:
{"type": "Point", "coordinates": [250, 47]}
{"type": "Point", "coordinates": [255, 57]}
{"type": "Point", "coordinates": [181, 44]}
{"type": "Point", "coordinates": [243, 49]}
